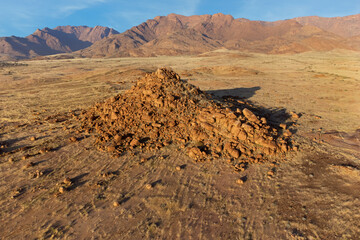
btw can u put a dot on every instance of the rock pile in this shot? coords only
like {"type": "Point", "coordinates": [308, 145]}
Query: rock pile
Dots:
{"type": "Point", "coordinates": [162, 109]}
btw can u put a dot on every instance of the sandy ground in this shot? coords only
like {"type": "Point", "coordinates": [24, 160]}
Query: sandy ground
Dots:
{"type": "Point", "coordinates": [313, 193]}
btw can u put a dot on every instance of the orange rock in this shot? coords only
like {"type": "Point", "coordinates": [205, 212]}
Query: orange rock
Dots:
{"type": "Point", "coordinates": [134, 142]}
{"type": "Point", "coordinates": [242, 135]}
{"type": "Point", "coordinates": [62, 189]}
{"type": "Point", "coordinates": [234, 153]}
{"type": "Point", "coordinates": [67, 181]}
{"type": "Point", "coordinates": [113, 116]}
{"type": "Point", "coordinates": [287, 133]}
{"type": "Point", "coordinates": [111, 148]}
{"type": "Point", "coordinates": [284, 148]}
{"type": "Point", "coordinates": [263, 120]}
{"type": "Point", "coordinates": [294, 115]}
{"type": "Point", "coordinates": [207, 126]}
{"type": "Point", "coordinates": [250, 115]}
{"type": "Point", "coordinates": [235, 129]}
{"type": "Point", "coordinates": [239, 181]}
{"type": "Point", "coordinates": [117, 138]}
{"type": "Point", "coordinates": [231, 115]}
{"type": "Point", "coordinates": [247, 128]}
{"type": "Point", "coordinates": [195, 153]}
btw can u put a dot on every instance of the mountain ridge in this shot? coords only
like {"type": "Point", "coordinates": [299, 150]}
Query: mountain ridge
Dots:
{"type": "Point", "coordinates": [176, 34]}
{"type": "Point", "coordinates": [46, 41]}
{"type": "Point", "coordinates": [157, 37]}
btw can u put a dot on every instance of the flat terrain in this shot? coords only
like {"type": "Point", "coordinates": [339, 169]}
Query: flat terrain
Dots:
{"type": "Point", "coordinates": [312, 193]}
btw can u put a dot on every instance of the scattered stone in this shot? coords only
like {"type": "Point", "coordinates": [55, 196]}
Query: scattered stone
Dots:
{"type": "Point", "coordinates": [111, 148]}
{"type": "Point", "coordinates": [33, 138]}
{"type": "Point", "coordinates": [29, 164]}
{"type": "Point", "coordinates": [116, 204]}
{"type": "Point", "coordinates": [36, 174]}
{"type": "Point", "coordinates": [17, 192]}
{"type": "Point", "coordinates": [287, 133]}
{"type": "Point", "coordinates": [134, 142]}
{"type": "Point", "coordinates": [283, 125]}
{"type": "Point", "coordinates": [62, 189]}
{"type": "Point", "coordinates": [73, 139]}
{"type": "Point", "coordinates": [148, 186]}
{"type": "Point", "coordinates": [11, 160]}
{"type": "Point", "coordinates": [67, 181]}
{"type": "Point", "coordinates": [239, 181]}
{"type": "Point", "coordinates": [232, 151]}
{"type": "Point", "coordinates": [178, 168]}
{"type": "Point", "coordinates": [42, 151]}
{"type": "Point", "coordinates": [263, 120]}
{"type": "Point", "coordinates": [196, 154]}
{"type": "Point", "coordinates": [294, 115]}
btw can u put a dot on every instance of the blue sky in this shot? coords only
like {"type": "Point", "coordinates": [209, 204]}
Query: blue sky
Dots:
{"type": "Point", "coordinates": [22, 17]}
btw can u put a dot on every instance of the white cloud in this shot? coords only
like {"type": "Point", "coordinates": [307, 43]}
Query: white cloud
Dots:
{"type": "Point", "coordinates": [189, 7]}
{"type": "Point", "coordinates": [24, 16]}
{"type": "Point", "coordinates": [69, 7]}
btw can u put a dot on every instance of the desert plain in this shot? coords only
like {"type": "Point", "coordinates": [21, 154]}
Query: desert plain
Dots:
{"type": "Point", "coordinates": [309, 192]}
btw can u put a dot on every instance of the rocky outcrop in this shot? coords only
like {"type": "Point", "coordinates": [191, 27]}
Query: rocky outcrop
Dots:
{"type": "Point", "coordinates": [161, 109]}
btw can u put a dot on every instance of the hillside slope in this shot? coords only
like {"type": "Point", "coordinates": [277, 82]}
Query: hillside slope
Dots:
{"type": "Point", "coordinates": [176, 34]}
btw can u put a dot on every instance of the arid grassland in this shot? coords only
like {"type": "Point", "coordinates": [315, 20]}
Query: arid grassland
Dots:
{"type": "Point", "coordinates": [54, 183]}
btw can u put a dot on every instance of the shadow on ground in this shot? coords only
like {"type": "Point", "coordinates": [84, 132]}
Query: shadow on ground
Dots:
{"type": "Point", "coordinates": [238, 92]}
{"type": "Point", "coordinates": [238, 98]}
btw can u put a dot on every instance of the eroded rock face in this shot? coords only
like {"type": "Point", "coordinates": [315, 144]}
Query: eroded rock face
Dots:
{"type": "Point", "coordinates": [162, 109]}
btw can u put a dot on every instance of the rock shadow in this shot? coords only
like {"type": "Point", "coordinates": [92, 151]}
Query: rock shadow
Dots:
{"type": "Point", "coordinates": [238, 98]}
{"type": "Point", "coordinates": [244, 93]}
{"type": "Point", "coordinates": [77, 181]}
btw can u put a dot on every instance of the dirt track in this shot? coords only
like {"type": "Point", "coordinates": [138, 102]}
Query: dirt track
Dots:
{"type": "Point", "coordinates": [308, 194]}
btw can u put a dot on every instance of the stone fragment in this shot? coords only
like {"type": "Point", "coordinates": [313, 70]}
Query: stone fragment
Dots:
{"type": "Point", "coordinates": [134, 142]}
{"type": "Point", "coordinates": [240, 181]}
{"type": "Point", "coordinates": [250, 115]}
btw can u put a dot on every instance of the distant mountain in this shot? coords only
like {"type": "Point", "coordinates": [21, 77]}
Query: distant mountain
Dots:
{"type": "Point", "coordinates": [63, 39]}
{"type": "Point", "coordinates": [184, 35]}
{"type": "Point", "coordinates": [348, 26]}
{"type": "Point", "coordinates": [176, 34]}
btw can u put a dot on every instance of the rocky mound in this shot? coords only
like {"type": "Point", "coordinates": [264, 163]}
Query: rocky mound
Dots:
{"type": "Point", "coordinates": [162, 109]}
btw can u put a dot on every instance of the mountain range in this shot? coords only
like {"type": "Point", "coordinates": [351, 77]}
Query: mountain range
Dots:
{"type": "Point", "coordinates": [62, 39]}
{"type": "Point", "coordinates": [179, 35]}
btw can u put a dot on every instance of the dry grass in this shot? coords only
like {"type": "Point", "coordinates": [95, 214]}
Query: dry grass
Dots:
{"type": "Point", "coordinates": [311, 195]}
